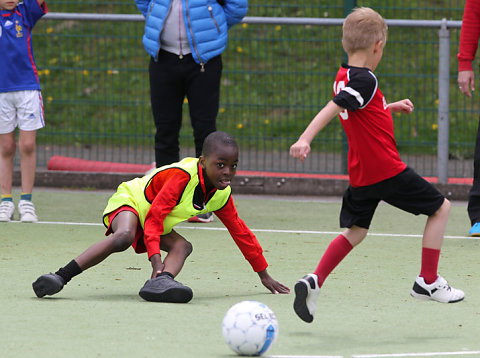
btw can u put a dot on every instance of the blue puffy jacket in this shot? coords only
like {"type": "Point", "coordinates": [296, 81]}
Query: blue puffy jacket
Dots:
{"type": "Point", "coordinates": [207, 24]}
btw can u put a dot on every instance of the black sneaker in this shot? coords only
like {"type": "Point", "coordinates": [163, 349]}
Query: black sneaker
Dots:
{"type": "Point", "coordinates": [165, 289]}
{"type": "Point", "coordinates": [48, 284]}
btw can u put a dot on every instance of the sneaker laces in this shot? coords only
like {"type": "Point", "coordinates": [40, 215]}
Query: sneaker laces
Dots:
{"type": "Point", "coordinates": [445, 286]}
{"type": "Point", "coordinates": [442, 284]}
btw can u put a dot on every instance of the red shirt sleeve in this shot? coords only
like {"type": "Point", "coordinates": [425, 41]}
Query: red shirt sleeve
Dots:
{"type": "Point", "coordinates": [167, 189]}
{"type": "Point", "coordinates": [469, 35]}
{"type": "Point", "coordinates": [243, 236]}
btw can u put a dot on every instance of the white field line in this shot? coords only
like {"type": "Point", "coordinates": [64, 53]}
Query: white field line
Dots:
{"type": "Point", "coordinates": [425, 354]}
{"type": "Point", "coordinates": [287, 356]}
{"type": "Point", "coordinates": [390, 355]}
{"type": "Point", "coordinates": [307, 232]}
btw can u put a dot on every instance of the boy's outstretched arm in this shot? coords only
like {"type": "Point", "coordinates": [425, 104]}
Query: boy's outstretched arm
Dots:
{"type": "Point", "coordinates": [248, 245]}
{"type": "Point", "coordinates": [301, 148]}
{"type": "Point", "coordinates": [405, 106]}
{"type": "Point", "coordinates": [272, 285]}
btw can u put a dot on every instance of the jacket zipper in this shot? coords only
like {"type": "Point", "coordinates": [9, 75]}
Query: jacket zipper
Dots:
{"type": "Point", "coordinates": [202, 69]}
{"type": "Point", "coordinates": [213, 18]}
{"type": "Point", "coordinates": [180, 14]}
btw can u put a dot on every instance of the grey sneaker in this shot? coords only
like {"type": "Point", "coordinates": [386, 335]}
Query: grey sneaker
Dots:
{"type": "Point", "coordinates": [306, 294]}
{"type": "Point", "coordinates": [26, 210]}
{"type": "Point", "coordinates": [48, 284]}
{"type": "Point", "coordinates": [438, 291]}
{"type": "Point", "coordinates": [165, 289]}
{"type": "Point", "coordinates": [6, 210]}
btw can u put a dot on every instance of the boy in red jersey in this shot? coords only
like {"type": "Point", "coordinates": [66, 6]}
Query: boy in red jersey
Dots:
{"type": "Point", "coordinates": [144, 211]}
{"type": "Point", "coordinates": [376, 171]}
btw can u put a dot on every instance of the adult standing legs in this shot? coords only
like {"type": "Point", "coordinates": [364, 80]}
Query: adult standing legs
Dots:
{"type": "Point", "coordinates": [474, 195]}
{"type": "Point", "coordinates": [203, 93]}
{"type": "Point", "coordinates": [167, 92]}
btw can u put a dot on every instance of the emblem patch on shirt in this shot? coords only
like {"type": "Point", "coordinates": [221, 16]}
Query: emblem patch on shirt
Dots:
{"type": "Point", "coordinates": [19, 29]}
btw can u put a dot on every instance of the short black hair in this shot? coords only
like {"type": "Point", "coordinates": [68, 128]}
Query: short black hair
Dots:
{"type": "Point", "coordinates": [215, 139]}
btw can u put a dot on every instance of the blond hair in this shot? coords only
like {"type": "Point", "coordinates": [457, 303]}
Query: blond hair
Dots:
{"type": "Point", "coordinates": [362, 28]}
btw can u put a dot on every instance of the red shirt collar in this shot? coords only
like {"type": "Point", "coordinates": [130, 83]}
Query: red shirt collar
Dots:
{"type": "Point", "coordinates": [202, 183]}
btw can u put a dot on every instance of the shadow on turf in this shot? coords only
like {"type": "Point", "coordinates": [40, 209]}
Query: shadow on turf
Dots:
{"type": "Point", "coordinates": [135, 297]}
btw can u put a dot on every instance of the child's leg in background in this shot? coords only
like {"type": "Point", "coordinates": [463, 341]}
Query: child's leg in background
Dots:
{"type": "Point", "coordinates": [29, 106]}
{"type": "Point", "coordinates": [28, 159]}
{"type": "Point", "coordinates": [7, 153]}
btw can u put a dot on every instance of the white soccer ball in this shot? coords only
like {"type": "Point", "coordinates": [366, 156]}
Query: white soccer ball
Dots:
{"type": "Point", "coordinates": [250, 328]}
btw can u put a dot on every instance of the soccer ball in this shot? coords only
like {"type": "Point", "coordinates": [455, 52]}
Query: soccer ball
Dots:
{"type": "Point", "coordinates": [249, 328]}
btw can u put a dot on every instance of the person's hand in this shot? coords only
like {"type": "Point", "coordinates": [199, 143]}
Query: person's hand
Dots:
{"type": "Point", "coordinates": [272, 285]}
{"type": "Point", "coordinates": [405, 106]}
{"type": "Point", "coordinates": [466, 82]}
{"type": "Point", "coordinates": [157, 265]}
{"type": "Point", "coordinates": [300, 150]}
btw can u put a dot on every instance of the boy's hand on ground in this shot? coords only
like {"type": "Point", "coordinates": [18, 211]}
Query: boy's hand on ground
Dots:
{"type": "Point", "coordinates": [300, 150]}
{"type": "Point", "coordinates": [272, 285]}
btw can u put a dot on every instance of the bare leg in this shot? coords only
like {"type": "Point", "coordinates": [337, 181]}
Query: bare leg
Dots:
{"type": "Point", "coordinates": [178, 249]}
{"type": "Point", "coordinates": [355, 235]}
{"type": "Point", "coordinates": [7, 153]}
{"type": "Point", "coordinates": [162, 287]}
{"type": "Point", "coordinates": [28, 159]}
{"type": "Point", "coordinates": [435, 227]}
{"type": "Point", "coordinates": [124, 227]}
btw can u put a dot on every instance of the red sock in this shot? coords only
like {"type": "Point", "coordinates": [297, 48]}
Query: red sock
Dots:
{"type": "Point", "coordinates": [430, 259]}
{"type": "Point", "coordinates": [336, 252]}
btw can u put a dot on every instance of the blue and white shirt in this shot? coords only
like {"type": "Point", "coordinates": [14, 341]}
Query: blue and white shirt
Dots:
{"type": "Point", "coordinates": [18, 71]}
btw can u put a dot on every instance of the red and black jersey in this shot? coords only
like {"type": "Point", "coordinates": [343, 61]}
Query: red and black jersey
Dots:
{"type": "Point", "coordinates": [368, 124]}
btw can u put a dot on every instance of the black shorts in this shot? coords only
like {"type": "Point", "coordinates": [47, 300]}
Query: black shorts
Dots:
{"type": "Point", "coordinates": [407, 191]}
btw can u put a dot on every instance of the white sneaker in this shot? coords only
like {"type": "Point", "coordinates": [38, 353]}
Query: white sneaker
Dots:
{"type": "Point", "coordinates": [27, 211]}
{"type": "Point", "coordinates": [6, 210]}
{"type": "Point", "coordinates": [306, 294]}
{"type": "Point", "coordinates": [438, 291]}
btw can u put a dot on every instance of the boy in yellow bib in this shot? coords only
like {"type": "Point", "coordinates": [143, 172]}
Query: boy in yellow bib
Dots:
{"type": "Point", "coordinates": [143, 212]}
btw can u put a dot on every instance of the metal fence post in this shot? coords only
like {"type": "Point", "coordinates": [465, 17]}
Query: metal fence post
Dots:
{"type": "Point", "coordinates": [348, 6]}
{"type": "Point", "coordinates": [443, 101]}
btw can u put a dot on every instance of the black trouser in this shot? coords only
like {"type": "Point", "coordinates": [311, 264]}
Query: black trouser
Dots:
{"type": "Point", "coordinates": [474, 195]}
{"type": "Point", "coordinates": [171, 80]}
